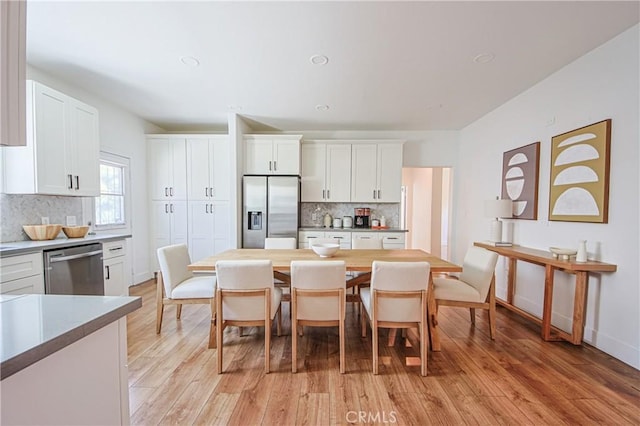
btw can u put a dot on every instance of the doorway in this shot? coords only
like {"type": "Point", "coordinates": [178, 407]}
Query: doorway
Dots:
{"type": "Point", "coordinates": [425, 209]}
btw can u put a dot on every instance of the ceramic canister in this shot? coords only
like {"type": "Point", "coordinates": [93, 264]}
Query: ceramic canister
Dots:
{"type": "Point", "coordinates": [347, 222]}
{"type": "Point", "coordinates": [337, 222]}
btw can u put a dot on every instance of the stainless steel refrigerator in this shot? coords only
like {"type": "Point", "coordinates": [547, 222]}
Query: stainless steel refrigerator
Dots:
{"type": "Point", "coordinates": [270, 208]}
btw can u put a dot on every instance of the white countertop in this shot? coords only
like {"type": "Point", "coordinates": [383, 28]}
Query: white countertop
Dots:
{"type": "Point", "coordinates": [37, 325]}
{"type": "Point", "coordinates": [21, 247]}
{"type": "Point", "coordinates": [332, 229]}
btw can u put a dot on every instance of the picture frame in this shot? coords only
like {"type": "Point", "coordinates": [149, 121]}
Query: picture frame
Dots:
{"type": "Point", "coordinates": [520, 176]}
{"type": "Point", "coordinates": [579, 182]}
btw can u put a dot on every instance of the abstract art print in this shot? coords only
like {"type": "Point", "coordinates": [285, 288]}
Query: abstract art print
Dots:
{"type": "Point", "coordinates": [579, 184]}
{"type": "Point", "coordinates": [520, 169]}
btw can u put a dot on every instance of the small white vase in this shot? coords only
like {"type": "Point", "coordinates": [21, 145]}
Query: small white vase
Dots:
{"type": "Point", "coordinates": [581, 256]}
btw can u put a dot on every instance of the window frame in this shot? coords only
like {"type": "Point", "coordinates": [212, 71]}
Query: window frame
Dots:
{"type": "Point", "coordinates": [125, 164]}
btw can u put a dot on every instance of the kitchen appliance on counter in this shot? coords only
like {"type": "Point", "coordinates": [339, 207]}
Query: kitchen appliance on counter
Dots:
{"type": "Point", "coordinates": [270, 208]}
{"type": "Point", "coordinates": [347, 222]}
{"type": "Point", "coordinates": [337, 223]}
{"type": "Point", "coordinates": [74, 270]}
{"type": "Point", "coordinates": [362, 215]}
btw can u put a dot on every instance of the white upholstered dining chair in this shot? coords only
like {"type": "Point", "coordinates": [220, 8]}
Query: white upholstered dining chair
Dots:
{"type": "Point", "coordinates": [177, 285]}
{"type": "Point", "coordinates": [317, 299]}
{"type": "Point", "coordinates": [475, 288]}
{"type": "Point", "coordinates": [246, 296]}
{"type": "Point", "coordinates": [397, 298]}
{"type": "Point", "coordinates": [281, 243]}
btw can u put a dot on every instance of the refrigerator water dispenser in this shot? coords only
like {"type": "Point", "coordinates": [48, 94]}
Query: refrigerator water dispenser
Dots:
{"type": "Point", "coordinates": [255, 221]}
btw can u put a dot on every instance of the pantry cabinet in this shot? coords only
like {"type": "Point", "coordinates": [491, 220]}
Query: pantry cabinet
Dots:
{"type": "Point", "coordinates": [62, 152]}
{"type": "Point", "coordinates": [326, 172]}
{"type": "Point", "coordinates": [167, 165]}
{"type": "Point", "coordinates": [209, 228]}
{"type": "Point", "coordinates": [272, 154]}
{"type": "Point", "coordinates": [209, 168]}
{"type": "Point", "coordinates": [376, 172]}
{"type": "Point", "coordinates": [168, 225]}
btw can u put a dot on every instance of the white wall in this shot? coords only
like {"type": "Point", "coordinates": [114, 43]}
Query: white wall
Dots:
{"type": "Point", "coordinates": [602, 84]}
{"type": "Point", "coordinates": [121, 133]}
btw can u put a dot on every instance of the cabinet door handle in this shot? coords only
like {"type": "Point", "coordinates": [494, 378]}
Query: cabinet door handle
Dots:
{"type": "Point", "coordinates": [378, 194]}
{"type": "Point", "coordinates": [390, 238]}
{"type": "Point", "coordinates": [166, 208]}
{"type": "Point", "coordinates": [206, 192]}
{"type": "Point", "coordinates": [211, 208]}
{"type": "Point", "coordinates": [77, 182]}
{"type": "Point", "coordinates": [328, 195]}
{"type": "Point", "coordinates": [211, 192]}
{"type": "Point", "coordinates": [107, 268]}
{"type": "Point", "coordinates": [70, 181]}
{"type": "Point", "coordinates": [374, 194]}
{"type": "Point", "coordinates": [171, 191]}
{"type": "Point", "coordinates": [323, 194]}
{"type": "Point", "coordinates": [275, 166]}
{"type": "Point", "coordinates": [166, 191]}
{"type": "Point", "coordinates": [206, 208]}
{"type": "Point", "coordinates": [171, 208]}
{"type": "Point", "coordinates": [338, 238]}
{"type": "Point", "coordinates": [115, 248]}
{"type": "Point", "coordinates": [270, 165]}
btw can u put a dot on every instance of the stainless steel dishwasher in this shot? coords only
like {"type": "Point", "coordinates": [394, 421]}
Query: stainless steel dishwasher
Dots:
{"type": "Point", "coordinates": [74, 270]}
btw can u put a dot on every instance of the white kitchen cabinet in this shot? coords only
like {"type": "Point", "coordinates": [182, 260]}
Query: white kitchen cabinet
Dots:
{"type": "Point", "coordinates": [390, 240]}
{"type": "Point", "coordinates": [208, 168]}
{"type": "Point", "coordinates": [326, 172]}
{"type": "Point", "coordinates": [114, 258]}
{"type": "Point", "coordinates": [13, 67]}
{"type": "Point", "coordinates": [168, 225]}
{"type": "Point", "coordinates": [272, 154]}
{"type": "Point", "coordinates": [209, 228]}
{"type": "Point", "coordinates": [62, 152]}
{"type": "Point", "coordinates": [341, 237]}
{"type": "Point", "coordinates": [167, 165]}
{"type": "Point", "coordinates": [376, 172]}
{"type": "Point", "coordinates": [22, 274]}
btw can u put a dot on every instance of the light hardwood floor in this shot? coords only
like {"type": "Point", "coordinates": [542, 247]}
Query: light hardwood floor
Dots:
{"type": "Point", "coordinates": [516, 379]}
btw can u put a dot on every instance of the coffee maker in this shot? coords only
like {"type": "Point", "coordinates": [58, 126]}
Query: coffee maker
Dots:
{"type": "Point", "coordinates": [361, 217]}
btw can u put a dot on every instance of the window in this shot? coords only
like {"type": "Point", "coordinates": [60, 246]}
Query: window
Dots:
{"type": "Point", "coordinates": [111, 205]}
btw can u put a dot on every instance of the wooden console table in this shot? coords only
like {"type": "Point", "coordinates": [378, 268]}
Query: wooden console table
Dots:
{"type": "Point", "coordinates": [551, 264]}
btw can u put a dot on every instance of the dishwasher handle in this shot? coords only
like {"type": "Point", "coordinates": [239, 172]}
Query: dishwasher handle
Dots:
{"type": "Point", "coordinates": [74, 256]}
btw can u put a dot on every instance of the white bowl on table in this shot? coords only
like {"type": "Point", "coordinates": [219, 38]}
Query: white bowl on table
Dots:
{"type": "Point", "coordinates": [325, 249]}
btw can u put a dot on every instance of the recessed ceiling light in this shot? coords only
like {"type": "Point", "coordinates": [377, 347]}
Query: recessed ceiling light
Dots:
{"type": "Point", "coordinates": [190, 61]}
{"type": "Point", "coordinates": [319, 60]}
{"type": "Point", "coordinates": [235, 107]}
{"type": "Point", "coordinates": [483, 58]}
{"type": "Point", "coordinates": [322, 107]}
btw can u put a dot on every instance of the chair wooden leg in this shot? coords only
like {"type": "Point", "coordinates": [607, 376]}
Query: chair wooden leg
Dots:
{"type": "Point", "coordinates": [178, 311]}
{"type": "Point", "coordinates": [342, 348]}
{"type": "Point", "coordinates": [363, 324]}
{"type": "Point", "coordinates": [492, 308]}
{"type": "Point", "coordinates": [240, 331]}
{"type": "Point", "coordinates": [159, 302]}
{"type": "Point", "coordinates": [472, 313]}
{"type": "Point", "coordinates": [423, 337]}
{"type": "Point", "coordinates": [374, 338]}
{"type": "Point", "coordinates": [219, 329]}
{"type": "Point", "coordinates": [267, 330]}
{"type": "Point", "coordinates": [212, 329]}
{"type": "Point", "coordinates": [279, 323]}
{"type": "Point", "coordinates": [294, 332]}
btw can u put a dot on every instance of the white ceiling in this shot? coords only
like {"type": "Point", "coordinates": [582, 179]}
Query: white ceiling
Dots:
{"type": "Point", "coordinates": [392, 65]}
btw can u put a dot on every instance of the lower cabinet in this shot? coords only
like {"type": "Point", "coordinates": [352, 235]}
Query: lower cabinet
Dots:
{"type": "Point", "coordinates": [22, 274]}
{"type": "Point", "coordinates": [209, 228]}
{"type": "Point", "coordinates": [168, 226]}
{"type": "Point", "coordinates": [115, 266]}
{"type": "Point", "coordinates": [390, 240]}
{"type": "Point", "coordinates": [340, 237]}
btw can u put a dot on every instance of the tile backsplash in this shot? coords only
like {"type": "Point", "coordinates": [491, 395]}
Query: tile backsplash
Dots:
{"type": "Point", "coordinates": [390, 211]}
{"type": "Point", "coordinates": [18, 210]}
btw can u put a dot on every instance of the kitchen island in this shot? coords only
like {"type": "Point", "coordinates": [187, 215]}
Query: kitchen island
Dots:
{"type": "Point", "coordinates": [63, 359]}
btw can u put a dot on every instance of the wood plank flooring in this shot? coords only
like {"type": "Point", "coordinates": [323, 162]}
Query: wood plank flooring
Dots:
{"type": "Point", "coordinates": [516, 379]}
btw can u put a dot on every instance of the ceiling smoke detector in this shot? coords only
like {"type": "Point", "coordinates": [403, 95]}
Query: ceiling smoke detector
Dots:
{"type": "Point", "coordinates": [322, 107]}
{"type": "Point", "coordinates": [319, 60]}
{"type": "Point", "coordinates": [484, 58]}
{"type": "Point", "coordinates": [190, 61]}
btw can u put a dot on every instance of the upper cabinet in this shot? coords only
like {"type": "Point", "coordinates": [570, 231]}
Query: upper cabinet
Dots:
{"type": "Point", "coordinates": [13, 35]}
{"type": "Point", "coordinates": [376, 172]}
{"type": "Point", "coordinates": [326, 170]}
{"type": "Point", "coordinates": [209, 166]}
{"type": "Point", "coordinates": [62, 152]}
{"type": "Point", "coordinates": [167, 165]}
{"type": "Point", "coordinates": [272, 154]}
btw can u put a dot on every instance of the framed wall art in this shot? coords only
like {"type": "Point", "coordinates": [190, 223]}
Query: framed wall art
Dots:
{"type": "Point", "coordinates": [579, 184]}
{"type": "Point", "coordinates": [520, 170]}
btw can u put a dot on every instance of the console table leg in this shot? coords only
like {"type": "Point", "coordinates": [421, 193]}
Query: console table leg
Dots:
{"type": "Point", "coordinates": [511, 279]}
{"type": "Point", "coordinates": [548, 302]}
{"type": "Point", "coordinates": [579, 303]}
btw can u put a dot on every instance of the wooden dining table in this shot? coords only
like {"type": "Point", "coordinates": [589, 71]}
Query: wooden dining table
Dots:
{"type": "Point", "coordinates": [355, 261]}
